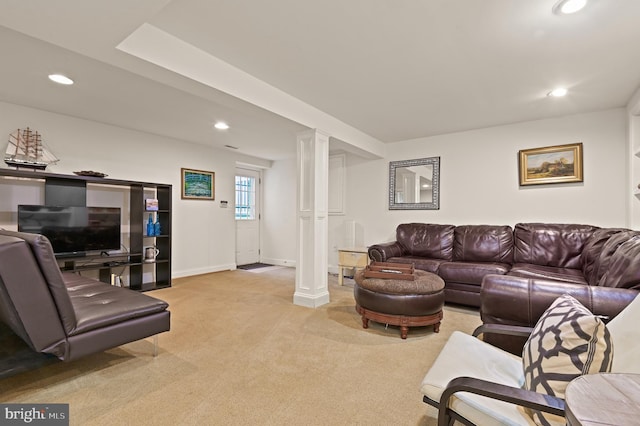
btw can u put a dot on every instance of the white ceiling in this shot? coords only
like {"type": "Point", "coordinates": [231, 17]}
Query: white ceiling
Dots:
{"type": "Point", "coordinates": [388, 69]}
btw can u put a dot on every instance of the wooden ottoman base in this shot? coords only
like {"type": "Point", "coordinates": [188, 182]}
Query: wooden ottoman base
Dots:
{"type": "Point", "coordinates": [403, 321]}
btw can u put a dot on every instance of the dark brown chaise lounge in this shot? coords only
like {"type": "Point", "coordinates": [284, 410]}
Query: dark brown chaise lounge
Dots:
{"type": "Point", "coordinates": [65, 314]}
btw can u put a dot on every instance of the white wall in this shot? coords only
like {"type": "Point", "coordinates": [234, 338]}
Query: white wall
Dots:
{"type": "Point", "coordinates": [633, 117]}
{"type": "Point", "coordinates": [203, 232]}
{"type": "Point", "coordinates": [479, 178]}
{"type": "Point", "coordinates": [479, 182]}
{"type": "Point", "coordinates": [278, 231]}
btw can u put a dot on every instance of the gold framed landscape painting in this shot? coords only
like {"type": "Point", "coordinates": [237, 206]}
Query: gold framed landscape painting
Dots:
{"type": "Point", "coordinates": [198, 184]}
{"type": "Point", "coordinates": [551, 164]}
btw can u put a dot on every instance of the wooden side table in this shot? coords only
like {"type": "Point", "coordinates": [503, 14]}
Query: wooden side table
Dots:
{"type": "Point", "coordinates": [603, 399]}
{"type": "Point", "coordinates": [351, 257]}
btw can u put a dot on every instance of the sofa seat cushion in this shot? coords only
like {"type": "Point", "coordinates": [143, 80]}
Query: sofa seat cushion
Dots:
{"type": "Point", "coordinates": [566, 275]}
{"type": "Point", "coordinates": [429, 265]}
{"type": "Point", "coordinates": [486, 362]}
{"type": "Point", "coordinates": [470, 272]}
{"type": "Point", "coordinates": [97, 304]}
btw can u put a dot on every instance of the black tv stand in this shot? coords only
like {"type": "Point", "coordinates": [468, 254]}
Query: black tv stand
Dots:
{"type": "Point", "coordinates": [71, 190]}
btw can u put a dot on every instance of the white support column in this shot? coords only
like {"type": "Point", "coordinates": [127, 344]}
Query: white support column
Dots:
{"type": "Point", "coordinates": [312, 203]}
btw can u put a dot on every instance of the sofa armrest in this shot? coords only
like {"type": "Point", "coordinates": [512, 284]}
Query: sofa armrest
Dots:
{"type": "Point", "coordinates": [522, 301]}
{"type": "Point", "coordinates": [508, 330]}
{"type": "Point", "coordinates": [512, 300]}
{"type": "Point", "coordinates": [522, 397]}
{"type": "Point", "coordinates": [384, 251]}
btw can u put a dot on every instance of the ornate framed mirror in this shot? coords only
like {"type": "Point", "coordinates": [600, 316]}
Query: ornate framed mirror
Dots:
{"type": "Point", "coordinates": [414, 184]}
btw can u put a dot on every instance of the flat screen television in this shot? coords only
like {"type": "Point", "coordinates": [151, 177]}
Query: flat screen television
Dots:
{"type": "Point", "coordinates": [73, 231]}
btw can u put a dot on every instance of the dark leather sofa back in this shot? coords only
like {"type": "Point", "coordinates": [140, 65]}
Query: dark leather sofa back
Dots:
{"type": "Point", "coordinates": [624, 266]}
{"type": "Point", "coordinates": [483, 243]}
{"type": "Point", "coordinates": [42, 251]}
{"type": "Point", "coordinates": [426, 240]}
{"type": "Point", "coordinates": [27, 309]}
{"type": "Point", "coordinates": [548, 244]}
{"type": "Point", "coordinates": [592, 253]}
{"type": "Point", "coordinates": [609, 250]}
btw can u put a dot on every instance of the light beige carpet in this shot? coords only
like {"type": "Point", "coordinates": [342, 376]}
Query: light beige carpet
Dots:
{"type": "Point", "coordinates": [241, 353]}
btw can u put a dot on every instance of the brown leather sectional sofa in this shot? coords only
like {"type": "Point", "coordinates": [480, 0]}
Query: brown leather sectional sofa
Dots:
{"type": "Point", "coordinates": [511, 300]}
{"type": "Point", "coordinates": [463, 256]}
{"type": "Point", "coordinates": [64, 314]}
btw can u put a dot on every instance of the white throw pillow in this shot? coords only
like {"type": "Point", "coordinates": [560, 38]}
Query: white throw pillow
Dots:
{"type": "Point", "coordinates": [625, 334]}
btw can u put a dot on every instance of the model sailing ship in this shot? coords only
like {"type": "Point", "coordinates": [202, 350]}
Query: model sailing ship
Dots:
{"type": "Point", "coordinates": [25, 149]}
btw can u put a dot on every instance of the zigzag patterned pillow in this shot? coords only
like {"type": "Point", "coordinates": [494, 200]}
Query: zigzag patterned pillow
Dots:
{"type": "Point", "coordinates": [568, 341]}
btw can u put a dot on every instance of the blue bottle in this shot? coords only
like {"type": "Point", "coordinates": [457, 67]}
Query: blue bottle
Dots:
{"type": "Point", "coordinates": [156, 227]}
{"type": "Point", "coordinates": [150, 226]}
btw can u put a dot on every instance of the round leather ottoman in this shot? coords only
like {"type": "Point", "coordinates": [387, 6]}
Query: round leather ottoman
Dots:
{"type": "Point", "coordinates": [405, 303]}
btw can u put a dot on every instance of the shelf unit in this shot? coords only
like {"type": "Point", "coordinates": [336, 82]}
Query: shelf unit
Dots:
{"type": "Point", "coordinates": [139, 239]}
{"type": "Point", "coordinates": [71, 190]}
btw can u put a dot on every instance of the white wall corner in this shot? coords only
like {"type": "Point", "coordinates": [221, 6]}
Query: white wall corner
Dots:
{"type": "Point", "coordinates": [634, 104]}
{"type": "Point", "coordinates": [337, 184]}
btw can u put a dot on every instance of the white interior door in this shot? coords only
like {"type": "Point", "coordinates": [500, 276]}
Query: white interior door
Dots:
{"type": "Point", "coordinates": [247, 216]}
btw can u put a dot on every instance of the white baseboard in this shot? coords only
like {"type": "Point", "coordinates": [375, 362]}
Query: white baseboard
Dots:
{"type": "Point", "coordinates": [310, 301]}
{"type": "Point", "coordinates": [200, 271]}
{"type": "Point", "coordinates": [332, 269]}
{"type": "Point", "coordinates": [279, 262]}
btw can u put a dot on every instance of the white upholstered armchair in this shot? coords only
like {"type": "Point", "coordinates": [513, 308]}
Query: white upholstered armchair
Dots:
{"type": "Point", "coordinates": [478, 384]}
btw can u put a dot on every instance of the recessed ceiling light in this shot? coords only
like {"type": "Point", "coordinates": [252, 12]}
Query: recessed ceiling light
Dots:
{"type": "Point", "coordinates": [60, 79]}
{"type": "Point", "coordinates": [566, 7]}
{"type": "Point", "coordinates": [558, 93]}
{"type": "Point", "coordinates": [221, 125]}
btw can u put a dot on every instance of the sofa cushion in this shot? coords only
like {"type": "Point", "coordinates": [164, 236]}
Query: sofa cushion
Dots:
{"type": "Point", "coordinates": [549, 244]}
{"type": "Point", "coordinates": [566, 342]}
{"type": "Point", "coordinates": [426, 240]}
{"type": "Point", "coordinates": [43, 253]}
{"type": "Point", "coordinates": [592, 250]}
{"type": "Point", "coordinates": [566, 275]}
{"type": "Point", "coordinates": [624, 266]}
{"type": "Point", "coordinates": [26, 305]}
{"type": "Point", "coordinates": [470, 272]}
{"type": "Point", "coordinates": [98, 304]}
{"type": "Point", "coordinates": [625, 333]}
{"type": "Point", "coordinates": [608, 250]}
{"type": "Point", "coordinates": [483, 243]}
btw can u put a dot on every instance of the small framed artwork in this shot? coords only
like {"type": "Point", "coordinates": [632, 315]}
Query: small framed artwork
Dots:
{"type": "Point", "coordinates": [198, 184]}
{"type": "Point", "coordinates": [151, 204]}
{"type": "Point", "coordinates": [551, 164]}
